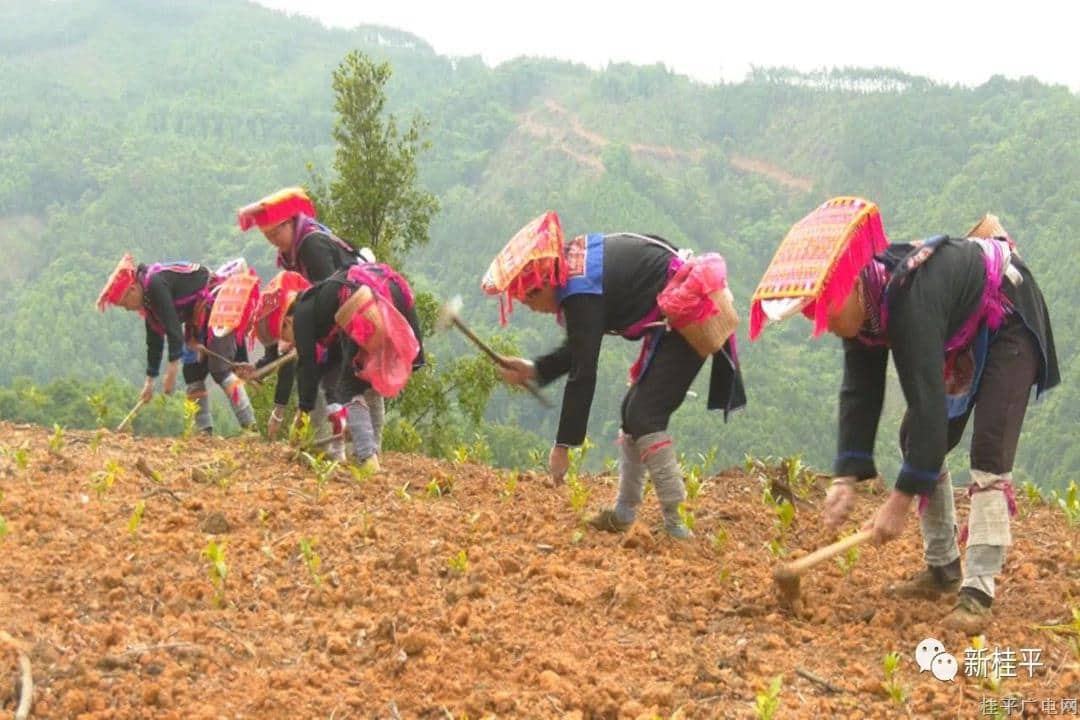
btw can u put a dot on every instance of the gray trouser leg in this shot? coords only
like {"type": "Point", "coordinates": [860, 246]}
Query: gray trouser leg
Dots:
{"type": "Point", "coordinates": [938, 524]}
{"type": "Point", "coordinates": [238, 398]}
{"type": "Point", "coordinates": [377, 409]}
{"type": "Point", "coordinates": [197, 391]}
{"type": "Point", "coordinates": [989, 535]}
{"type": "Point", "coordinates": [631, 479]}
{"type": "Point", "coordinates": [658, 455]}
{"type": "Point", "coordinates": [363, 435]}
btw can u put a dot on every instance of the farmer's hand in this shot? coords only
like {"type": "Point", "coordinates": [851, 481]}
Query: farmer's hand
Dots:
{"type": "Point", "coordinates": [171, 371]}
{"type": "Point", "coordinates": [516, 371]}
{"type": "Point", "coordinates": [147, 393]}
{"type": "Point", "coordinates": [273, 426]}
{"type": "Point", "coordinates": [244, 371]}
{"type": "Point", "coordinates": [559, 462]}
{"type": "Point", "coordinates": [889, 521]}
{"type": "Point", "coordinates": [838, 502]}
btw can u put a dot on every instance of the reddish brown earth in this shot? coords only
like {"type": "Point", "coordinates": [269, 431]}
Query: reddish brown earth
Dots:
{"type": "Point", "coordinates": [537, 626]}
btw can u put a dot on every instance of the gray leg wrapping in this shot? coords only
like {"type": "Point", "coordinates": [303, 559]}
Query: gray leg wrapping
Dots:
{"type": "Point", "coordinates": [658, 455]}
{"type": "Point", "coordinates": [241, 404]}
{"type": "Point", "coordinates": [377, 409]}
{"type": "Point", "coordinates": [631, 480]}
{"type": "Point", "coordinates": [938, 524]}
{"type": "Point", "coordinates": [989, 535]}
{"type": "Point", "coordinates": [363, 435]}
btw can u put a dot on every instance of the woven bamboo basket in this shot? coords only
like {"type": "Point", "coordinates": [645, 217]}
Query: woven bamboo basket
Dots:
{"type": "Point", "coordinates": [359, 299]}
{"type": "Point", "coordinates": [710, 334]}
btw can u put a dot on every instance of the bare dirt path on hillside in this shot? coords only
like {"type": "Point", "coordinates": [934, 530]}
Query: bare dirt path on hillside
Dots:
{"type": "Point", "coordinates": [567, 133]}
{"type": "Point", "coordinates": [444, 592]}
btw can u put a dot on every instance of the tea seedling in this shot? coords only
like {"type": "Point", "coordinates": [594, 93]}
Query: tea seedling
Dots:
{"type": "Point", "coordinates": [103, 480]}
{"type": "Point", "coordinates": [403, 492]}
{"type": "Point", "coordinates": [578, 493]}
{"type": "Point", "coordinates": [687, 516]}
{"type": "Point", "coordinates": [219, 569]}
{"type": "Point", "coordinates": [890, 666]}
{"type": "Point", "coordinates": [1070, 630]}
{"type": "Point", "coordinates": [56, 442]}
{"type": "Point", "coordinates": [360, 473]}
{"type": "Point", "coordinates": [191, 411]}
{"type": "Point", "coordinates": [311, 559]}
{"type": "Point", "coordinates": [3, 527]}
{"type": "Point", "coordinates": [459, 563]}
{"type": "Point", "coordinates": [136, 518]}
{"type": "Point", "coordinates": [323, 468]}
{"type": "Point", "coordinates": [767, 702]}
{"type": "Point", "coordinates": [510, 483]}
{"type": "Point", "coordinates": [1069, 503]}
{"type": "Point", "coordinates": [719, 540]}
{"type": "Point", "coordinates": [848, 560]}
{"type": "Point", "coordinates": [302, 433]}
{"type": "Point", "coordinates": [21, 456]}
{"type": "Point", "coordinates": [800, 478]}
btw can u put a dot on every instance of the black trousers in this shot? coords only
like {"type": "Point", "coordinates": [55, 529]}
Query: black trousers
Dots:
{"type": "Point", "coordinates": [658, 393]}
{"type": "Point", "coordinates": [1012, 367]}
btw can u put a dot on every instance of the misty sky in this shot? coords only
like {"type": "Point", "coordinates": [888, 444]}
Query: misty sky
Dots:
{"type": "Point", "coordinates": [952, 41]}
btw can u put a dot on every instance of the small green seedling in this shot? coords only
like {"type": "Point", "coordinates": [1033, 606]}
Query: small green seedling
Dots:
{"type": "Point", "coordinates": [103, 480]}
{"type": "Point", "coordinates": [578, 493]}
{"type": "Point", "coordinates": [311, 559]}
{"type": "Point", "coordinates": [21, 456]}
{"type": "Point", "coordinates": [848, 560]}
{"type": "Point", "coordinates": [890, 666]}
{"type": "Point", "coordinates": [1070, 630]}
{"type": "Point", "coordinates": [767, 702]}
{"type": "Point", "coordinates": [719, 540]}
{"type": "Point", "coordinates": [693, 482]}
{"type": "Point", "coordinates": [360, 473]}
{"type": "Point", "coordinates": [459, 563]}
{"type": "Point", "coordinates": [510, 483]}
{"type": "Point", "coordinates": [56, 442]}
{"type": "Point", "coordinates": [403, 492]}
{"type": "Point", "coordinates": [1069, 502]}
{"type": "Point", "coordinates": [3, 527]}
{"type": "Point", "coordinates": [800, 478]}
{"type": "Point", "coordinates": [219, 569]}
{"type": "Point", "coordinates": [136, 518]}
{"type": "Point", "coordinates": [433, 489]}
{"type": "Point", "coordinates": [323, 468]}
{"type": "Point", "coordinates": [687, 516]}
{"type": "Point", "coordinates": [191, 411]}
{"type": "Point", "coordinates": [302, 433]}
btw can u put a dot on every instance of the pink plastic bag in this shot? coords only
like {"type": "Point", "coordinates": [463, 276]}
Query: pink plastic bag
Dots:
{"type": "Point", "coordinates": [685, 299]}
{"type": "Point", "coordinates": [388, 357]}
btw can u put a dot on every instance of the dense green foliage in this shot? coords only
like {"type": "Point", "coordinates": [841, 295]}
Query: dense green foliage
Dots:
{"type": "Point", "coordinates": [143, 126]}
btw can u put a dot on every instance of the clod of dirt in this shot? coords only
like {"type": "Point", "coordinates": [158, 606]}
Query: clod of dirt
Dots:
{"type": "Point", "coordinates": [215, 523]}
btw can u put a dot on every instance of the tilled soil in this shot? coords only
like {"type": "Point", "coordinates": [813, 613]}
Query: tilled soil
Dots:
{"type": "Point", "coordinates": [443, 592]}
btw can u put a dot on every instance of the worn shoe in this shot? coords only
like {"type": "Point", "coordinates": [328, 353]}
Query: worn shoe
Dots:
{"type": "Point", "coordinates": [608, 521]}
{"type": "Point", "coordinates": [677, 530]}
{"type": "Point", "coordinates": [970, 616]}
{"type": "Point", "coordinates": [930, 583]}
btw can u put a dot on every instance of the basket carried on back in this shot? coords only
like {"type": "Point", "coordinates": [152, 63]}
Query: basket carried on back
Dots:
{"type": "Point", "coordinates": [697, 303]}
{"type": "Point", "coordinates": [709, 335]}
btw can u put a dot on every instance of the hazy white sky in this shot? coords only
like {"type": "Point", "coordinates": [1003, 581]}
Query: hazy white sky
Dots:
{"type": "Point", "coordinates": [946, 40]}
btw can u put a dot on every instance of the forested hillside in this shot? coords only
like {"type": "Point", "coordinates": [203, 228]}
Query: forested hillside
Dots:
{"type": "Point", "coordinates": [142, 126]}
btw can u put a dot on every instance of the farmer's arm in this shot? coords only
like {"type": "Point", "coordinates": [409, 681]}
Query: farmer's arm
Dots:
{"type": "Point", "coordinates": [579, 356]}
{"type": "Point", "coordinates": [862, 394]}
{"type": "Point", "coordinates": [917, 335]}
{"type": "Point", "coordinates": [160, 299]}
